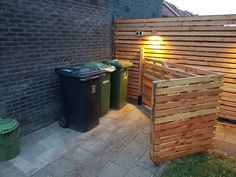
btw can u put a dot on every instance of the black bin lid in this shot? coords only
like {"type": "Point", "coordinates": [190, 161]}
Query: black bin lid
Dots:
{"type": "Point", "coordinates": [78, 71]}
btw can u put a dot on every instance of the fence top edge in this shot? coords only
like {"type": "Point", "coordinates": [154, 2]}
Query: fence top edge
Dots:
{"type": "Point", "coordinates": [178, 19]}
{"type": "Point", "coordinates": [186, 78]}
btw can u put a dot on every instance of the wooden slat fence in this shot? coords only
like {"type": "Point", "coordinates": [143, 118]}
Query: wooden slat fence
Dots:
{"type": "Point", "coordinates": [184, 103]}
{"type": "Point", "coordinates": [206, 41]}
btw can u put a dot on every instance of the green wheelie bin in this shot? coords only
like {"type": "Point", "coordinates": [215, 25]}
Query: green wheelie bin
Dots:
{"type": "Point", "coordinates": [105, 84]}
{"type": "Point", "coordinates": [119, 82]}
{"type": "Point", "coordinates": [9, 134]}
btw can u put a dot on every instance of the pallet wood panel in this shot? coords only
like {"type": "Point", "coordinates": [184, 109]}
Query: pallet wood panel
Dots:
{"type": "Point", "coordinates": [184, 102]}
{"type": "Point", "coordinates": [205, 41]}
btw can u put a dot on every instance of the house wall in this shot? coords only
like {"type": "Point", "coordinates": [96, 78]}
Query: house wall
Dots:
{"type": "Point", "coordinates": [37, 36]}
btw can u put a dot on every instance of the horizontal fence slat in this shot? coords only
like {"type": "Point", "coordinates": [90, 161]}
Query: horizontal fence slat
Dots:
{"type": "Point", "coordinates": [190, 108]}
{"type": "Point", "coordinates": [171, 125]}
{"type": "Point", "coordinates": [188, 88]}
{"type": "Point", "coordinates": [188, 95]}
{"type": "Point", "coordinates": [183, 116]}
{"type": "Point", "coordinates": [183, 81]}
{"type": "Point", "coordinates": [184, 141]}
{"type": "Point", "coordinates": [185, 102]}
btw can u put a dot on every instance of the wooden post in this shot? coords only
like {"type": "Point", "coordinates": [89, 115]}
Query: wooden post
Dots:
{"type": "Point", "coordinates": [140, 88]}
{"type": "Point", "coordinates": [153, 97]}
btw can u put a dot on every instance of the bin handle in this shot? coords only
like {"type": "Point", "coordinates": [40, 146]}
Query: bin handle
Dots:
{"type": "Point", "coordinates": [94, 77]}
{"type": "Point", "coordinates": [13, 141]}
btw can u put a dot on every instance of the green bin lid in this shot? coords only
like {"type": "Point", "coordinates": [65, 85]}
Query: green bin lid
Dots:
{"type": "Point", "coordinates": [100, 66]}
{"type": "Point", "coordinates": [120, 63]}
{"type": "Point", "coordinates": [8, 125]}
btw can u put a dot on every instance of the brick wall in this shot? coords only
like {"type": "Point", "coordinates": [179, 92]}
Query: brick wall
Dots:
{"type": "Point", "coordinates": [37, 36]}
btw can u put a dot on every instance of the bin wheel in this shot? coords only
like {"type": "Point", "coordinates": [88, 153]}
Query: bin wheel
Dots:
{"type": "Point", "coordinates": [63, 122]}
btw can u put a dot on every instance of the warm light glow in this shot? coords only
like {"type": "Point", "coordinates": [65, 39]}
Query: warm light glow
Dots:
{"type": "Point", "coordinates": [155, 38]}
{"type": "Point", "coordinates": [153, 46]}
{"type": "Point", "coordinates": [155, 42]}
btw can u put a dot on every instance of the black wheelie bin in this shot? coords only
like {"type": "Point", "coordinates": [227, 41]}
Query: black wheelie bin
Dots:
{"type": "Point", "coordinates": [81, 91]}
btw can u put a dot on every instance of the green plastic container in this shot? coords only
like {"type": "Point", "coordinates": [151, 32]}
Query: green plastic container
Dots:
{"type": "Point", "coordinates": [9, 143]}
{"type": "Point", "coordinates": [105, 84]}
{"type": "Point", "coordinates": [119, 83]}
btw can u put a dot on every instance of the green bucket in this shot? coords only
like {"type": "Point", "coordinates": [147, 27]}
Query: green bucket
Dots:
{"type": "Point", "coordinates": [9, 143]}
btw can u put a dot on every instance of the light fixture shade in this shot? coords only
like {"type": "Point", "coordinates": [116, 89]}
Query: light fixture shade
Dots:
{"type": "Point", "coordinates": [154, 32]}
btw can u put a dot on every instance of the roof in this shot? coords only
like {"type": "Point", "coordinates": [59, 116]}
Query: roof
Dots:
{"type": "Point", "coordinates": [170, 10]}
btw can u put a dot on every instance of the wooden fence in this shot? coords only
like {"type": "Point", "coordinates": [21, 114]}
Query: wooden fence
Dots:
{"type": "Point", "coordinates": [206, 41]}
{"type": "Point", "coordinates": [184, 102]}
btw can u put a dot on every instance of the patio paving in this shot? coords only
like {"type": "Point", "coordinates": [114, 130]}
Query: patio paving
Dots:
{"type": "Point", "coordinates": [118, 147]}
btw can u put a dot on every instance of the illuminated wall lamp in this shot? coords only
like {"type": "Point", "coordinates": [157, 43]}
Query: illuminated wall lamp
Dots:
{"type": "Point", "coordinates": [155, 36]}
{"type": "Point", "coordinates": [154, 32]}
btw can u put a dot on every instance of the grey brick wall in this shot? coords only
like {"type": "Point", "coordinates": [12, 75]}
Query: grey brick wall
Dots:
{"type": "Point", "coordinates": [37, 36]}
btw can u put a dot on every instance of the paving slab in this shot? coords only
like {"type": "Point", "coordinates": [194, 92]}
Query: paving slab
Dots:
{"type": "Point", "coordinates": [32, 150]}
{"type": "Point", "coordinates": [50, 141]}
{"type": "Point", "coordinates": [59, 168]}
{"type": "Point", "coordinates": [145, 161]}
{"type": "Point", "coordinates": [5, 167]}
{"type": "Point", "coordinates": [28, 140]}
{"type": "Point", "coordinates": [125, 159]}
{"type": "Point", "coordinates": [31, 166]}
{"type": "Point", "coordinates": [112, 169]}
{"type": "Point", "coordinates": [79, 155]}
{"type": "Point", "coordinates": [137, 171]}
{"type": "Point", "coordinates": [54, 153]}
{"type": "Point", "coordinates": [135, 148]}
{"type": "Point", "coordinates": [14, 172]}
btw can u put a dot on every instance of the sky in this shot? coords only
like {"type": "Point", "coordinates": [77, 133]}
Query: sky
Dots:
{"type": "Point", "coordinates": [206, 7]}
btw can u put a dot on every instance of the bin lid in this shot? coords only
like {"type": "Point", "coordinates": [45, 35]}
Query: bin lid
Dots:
{"type": "Point", "coordinates": [119, 63]}
{"type": "Point", "coordinates": [8, 125]}
{"type": "Point", "coordinates": [78, 71]}
{"type": "Point", "coordinates": [100, 66]}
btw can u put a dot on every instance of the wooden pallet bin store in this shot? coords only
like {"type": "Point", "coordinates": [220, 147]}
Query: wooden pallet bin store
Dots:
{"type": "Point", "coordinates": [184, 103]}
{"type": "Point", "coordinates": [208, 42]}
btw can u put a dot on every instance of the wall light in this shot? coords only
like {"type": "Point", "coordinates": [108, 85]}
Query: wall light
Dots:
{"type": "Point", "coordinates": [154, 32]}
{"type": "Point", "coordinates": [154, 36]}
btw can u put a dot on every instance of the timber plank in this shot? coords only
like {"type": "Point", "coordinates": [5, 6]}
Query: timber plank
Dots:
{"type": "Point", "coordinates": [184, 81]}
{"type": "Point", "coordinates": [186, 129]}
{"type": "Point", "coordinates": [188, 95]}
{"type": "Point", "coordinates": [185, 147]}
{"type": "Point", "coordinates": [162, 140]}
{"type": "Point", "coordinates": [183, 141]}
{"type": "Point", "coordinates": [157, 158]}
{"type": "Point", "coordinates": [189, 108]}
{"type": "Point", "coordinates": [188, 88]}
{"type": "Point", "coordinates": [171, 125]}
{"type": "Point", "coordinates": [186, 115]}
{"type": "Point", "coordinates": [186, 102]}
